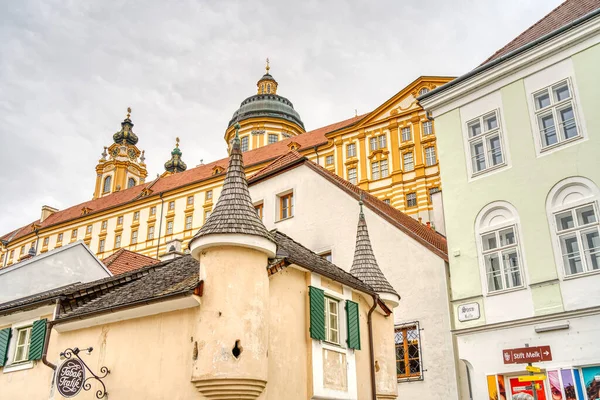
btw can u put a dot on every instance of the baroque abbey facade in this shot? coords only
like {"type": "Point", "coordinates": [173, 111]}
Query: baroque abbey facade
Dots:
{"type": "Point", "coordinates": [390, 152]}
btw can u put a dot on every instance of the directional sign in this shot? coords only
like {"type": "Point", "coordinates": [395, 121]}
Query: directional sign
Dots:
{"type": "Point", "coordinates": [532, 378]}
{"type": "Point", "coordinates": [533, 369]}
{"type": "Point", "coordinates": [526, 355]}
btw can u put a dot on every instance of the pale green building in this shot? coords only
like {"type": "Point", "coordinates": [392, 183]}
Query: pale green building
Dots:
{"type": "Point", "coordinates": [519, 149]}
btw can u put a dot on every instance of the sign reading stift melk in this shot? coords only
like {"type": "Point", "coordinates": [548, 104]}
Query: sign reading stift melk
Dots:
{"type": "Point", "coordinates": [70, 376]}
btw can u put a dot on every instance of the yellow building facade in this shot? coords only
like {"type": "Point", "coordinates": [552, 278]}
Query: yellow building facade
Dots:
{"type": "Point", "coordinates": [390, 152]}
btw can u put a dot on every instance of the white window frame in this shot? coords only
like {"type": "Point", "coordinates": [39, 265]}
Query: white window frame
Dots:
{"type": "Point", "coordinates": [416, 200]}
{"type": "Point", "coordinates": [571, 194]}
{"type": "Point", "coordinates": [134, 236]}
{"type": "Point", "coordinates": [375, 172]}
{"type": "Point", "coordinates": [493, 218]}
{"type": "Point", "coordinates": [170, 226]}
{"type": "Point", "coordinates": [190, 200]}
{"type": "Point", "coordinates": [291, 207]}
{"type": "Point", "coordinates": [188, 222]}
{"type": "Point", "coordinates": [384, 168]}
{"type": "Point", "coordinates": [272, 138]}
{"type": "Point", "coordinates": [430, 159]}
{"type": "Point", "coordinates": [382, 141]}
{"type": "Point", "coordinates": [427, 128]}
{"type": "Point", "coordinates": [553, 109]}
{"type": "Point", "coordinates": [483, 137]}
{"type": "Point", "coordinates": [412, 163]}
{"type": "Point", "coordinates": [244, 143]}
{"type": "Point", "coordinates": [351, 150]}
{"type": "Point", "coordinates": [11, 365]}
{"type": "Point", "coordinates": [350, 175]}
{"type": "Point", "coordinates": [118, 239]}
{"type": "Point", "coordinates": [373, 143]}
{"type": "Point", "coordinates": [101, 245]}
{"type": "Point", "coordinates": [329, 160]}
{"type": "Point", "coordinates": [403, 131]}
{"type": "Point", "coordinates": [150, 232]}
{"type": "Point", "coordinates": [328, 330]}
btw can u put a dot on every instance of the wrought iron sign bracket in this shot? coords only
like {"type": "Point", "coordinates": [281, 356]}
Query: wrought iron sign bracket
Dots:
{"type": "Point", "coordinates": [74, 352]}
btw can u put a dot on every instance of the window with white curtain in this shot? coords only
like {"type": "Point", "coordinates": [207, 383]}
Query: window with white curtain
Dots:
{"type": "Point", "coordinates": [499, 247]}
{"type": "Point", "coordinates": [572, 208]}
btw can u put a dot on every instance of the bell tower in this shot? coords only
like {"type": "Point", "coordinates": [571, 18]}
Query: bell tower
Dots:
{"type": "Point", "coordinates": [122, 164]}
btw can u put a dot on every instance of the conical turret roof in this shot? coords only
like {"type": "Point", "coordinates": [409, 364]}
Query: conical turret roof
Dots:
{"type": "Point", "coordinates": [234, 211]}
{"type": "Point", "coordinates": [364, 265]}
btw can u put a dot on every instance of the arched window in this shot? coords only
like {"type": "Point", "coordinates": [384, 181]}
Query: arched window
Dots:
{"type": "Point", "coordinates": [499, 247]}
{"type": "Point", "coordinates": [572, 207]}
{"type": "Point", "coordinates": [423, 91]}
{"type": "Point", "coordinates": [107, 184]}
{"type": "Point", "coordinates": [268, 88]}
{"type": "Point", "coordinates": [130, 183]}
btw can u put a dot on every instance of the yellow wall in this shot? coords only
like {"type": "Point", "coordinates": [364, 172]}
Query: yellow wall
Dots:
{"type": "Point", "coordinates": [388, 119]}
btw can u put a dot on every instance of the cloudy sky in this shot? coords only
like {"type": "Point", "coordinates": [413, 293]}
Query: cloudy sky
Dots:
{"type": "Point", "coordinates": [70, 69]}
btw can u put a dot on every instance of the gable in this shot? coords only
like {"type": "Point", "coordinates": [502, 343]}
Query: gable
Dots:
{"type": "Point", "coordinates": [69, 264]}
{"type": "Point", "coordinates": [405, 101]}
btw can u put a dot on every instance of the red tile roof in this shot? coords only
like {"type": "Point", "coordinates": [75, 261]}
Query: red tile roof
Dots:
{"type": "Point", "coordinates": [562, 15]}
{"type": "Point", "coordinates": [202, 172]}
{"type": "Point", "coordinates": [429, 238]}
{"type": "Point", "coordinates": [125, 261]}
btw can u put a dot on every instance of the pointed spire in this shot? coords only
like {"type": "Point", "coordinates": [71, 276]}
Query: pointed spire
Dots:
{"type": "Point", "coordinates": [364, 265]}
{"type": "Point", "coordinates": [267, 84]}
{"type": "Point", "coordinates": [175, 164]}
{"type": "Point", "coordinates": [268, 67]}
{"type": "Point", "coordinates": [234, 211]}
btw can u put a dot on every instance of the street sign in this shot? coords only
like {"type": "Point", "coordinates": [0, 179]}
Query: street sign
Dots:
{"type": "Point", "coordinates": [526, 355]}
{"type": "Point", "coordinates": [532, 378]}
{"type": "Point", "coordinates": [533, 369]}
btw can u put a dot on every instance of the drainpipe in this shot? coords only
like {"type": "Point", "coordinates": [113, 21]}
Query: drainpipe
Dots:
{"type": "Point", "coordinates": [37, 242]}
{"type": "Point", "coordinates": [162, 205]}
{"type": "Point", "coordinates": [47, 339]}
{"type": "Point", "coordinates": [317, 153]}
{"type": "Point", "coordinates": [371, 352]}
{"type": "Point", "coordinates": [5, 245]}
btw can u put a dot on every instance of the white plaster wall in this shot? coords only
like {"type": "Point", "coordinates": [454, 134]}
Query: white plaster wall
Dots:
{"type": "Point", "coordinates": [326, 218]}
{"type": "Point", "coordinates": [42, 273]}
{"type": "Point", "coordinates": [483, 350]}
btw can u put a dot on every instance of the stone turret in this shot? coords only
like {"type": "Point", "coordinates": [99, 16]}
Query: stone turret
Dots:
{"type": "Point", "coordinates": [233, 248]}
{"type": "Point", "coordinates": [366, 268]}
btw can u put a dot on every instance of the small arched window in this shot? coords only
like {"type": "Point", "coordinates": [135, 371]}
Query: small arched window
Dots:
{"type": "Point", "coordinates": [130, 183]}
{"type": "Point", "coordinates": [423, 91]}
{"type": "Point", "coordinates": [572, 207]}
{"type": "Point", "coordinates": [499, 247]}
{"type": "Point", "coordinates": [268, 88]}
{"type": "Point", "coordinates": [107, 184]}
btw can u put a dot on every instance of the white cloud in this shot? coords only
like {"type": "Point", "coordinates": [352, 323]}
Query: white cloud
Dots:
{"type": "Point", "coordinates": [69, 70]}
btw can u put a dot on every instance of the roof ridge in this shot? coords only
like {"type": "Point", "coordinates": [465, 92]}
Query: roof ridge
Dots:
{"type": "Point", "coordinates": [278, 232]}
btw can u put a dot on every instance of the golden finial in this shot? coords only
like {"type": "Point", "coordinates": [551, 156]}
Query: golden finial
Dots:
{"type": "Point", "coordinates": [268, 67]}
{"type": "Point", "coordinates": [177, 141]}
{"type": "Point", "coordinates": [128, 112]}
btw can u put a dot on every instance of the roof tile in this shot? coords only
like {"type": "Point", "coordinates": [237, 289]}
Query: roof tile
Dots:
{"type": "Point", "coordinates": [124, 261]}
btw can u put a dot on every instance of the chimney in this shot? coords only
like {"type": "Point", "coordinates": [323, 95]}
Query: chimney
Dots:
{"type": "Point", "coordinates": [173, 250]}
{"type": "Point", "coordinates": [46, 212]}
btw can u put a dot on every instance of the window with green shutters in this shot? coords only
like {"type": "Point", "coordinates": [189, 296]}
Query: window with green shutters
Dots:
{"type": "Point", "coordinates": [38, 335]}
{"type": "Point", "coordinates": [353, 325]}
{"type": "Point", "coordinates": [4, 342]}
{"type": "Point", "coordinates": [317, 313]}
{"type": "Point", "coordinates": [323, 310]}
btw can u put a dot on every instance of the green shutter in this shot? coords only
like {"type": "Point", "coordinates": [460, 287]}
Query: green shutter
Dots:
{"type": "Point", "coordinates": [353, 325]}
{"type": "Point", "coordinates": [317, 313]}
{"type": "Point", "coordinates": [36, 343]}
{"type": "Point", "coordinates": [4, 341]}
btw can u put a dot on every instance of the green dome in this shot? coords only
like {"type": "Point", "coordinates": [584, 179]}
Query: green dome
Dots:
{"type": "Point", "coordinates": [266, 105]}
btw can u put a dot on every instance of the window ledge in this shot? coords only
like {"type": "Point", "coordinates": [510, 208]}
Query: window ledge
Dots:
{"type": "Point", "coordinates": [333, 346]}
{"type": "Point", "coordinates": [581, 275]}
{"type": "Point", "coordinates": [559, 144]}
{"type": "Point", "coordinates": [488, 170]}
{"type": "Point", "coordinates": [284, 219]}
{"type": "Point", "coordinates": [411, 379]}
{"type": "Point", "coordinates": [18, 367]}
{"type": "Point", "coordinates": [499, 292]}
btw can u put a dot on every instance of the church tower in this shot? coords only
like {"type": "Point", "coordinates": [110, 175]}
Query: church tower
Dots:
{"type": "Point", "coordinates": [122, 164]}
{"type": "Point", "coordinates": [266, 117]}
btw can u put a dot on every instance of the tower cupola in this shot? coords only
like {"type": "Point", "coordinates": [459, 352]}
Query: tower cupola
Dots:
{"type": "Point", "coordinates": [175, 164]}
{"type": "Point", "coordinates": [267, 84]}
{"type": "Point", "coordinates": [126, 133]}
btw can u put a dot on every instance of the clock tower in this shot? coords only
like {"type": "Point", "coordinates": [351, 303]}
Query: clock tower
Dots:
{"type": "Point", "coordinates": [122, 164]}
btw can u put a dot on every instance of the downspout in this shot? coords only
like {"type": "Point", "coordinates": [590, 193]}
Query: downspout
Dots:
{"type": "Point", "coordinates": [371, 351]}
{"type": "Point", "coordinates": [37, 242]}
{"type": "Point", "coordinates": [5, 245]}
{"type": "Point", "coordinates": [47, 339]}
{"type": "Point", "coordinates": [317, 153]}
{"type": "Point", "coordinates": [162, 205]}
